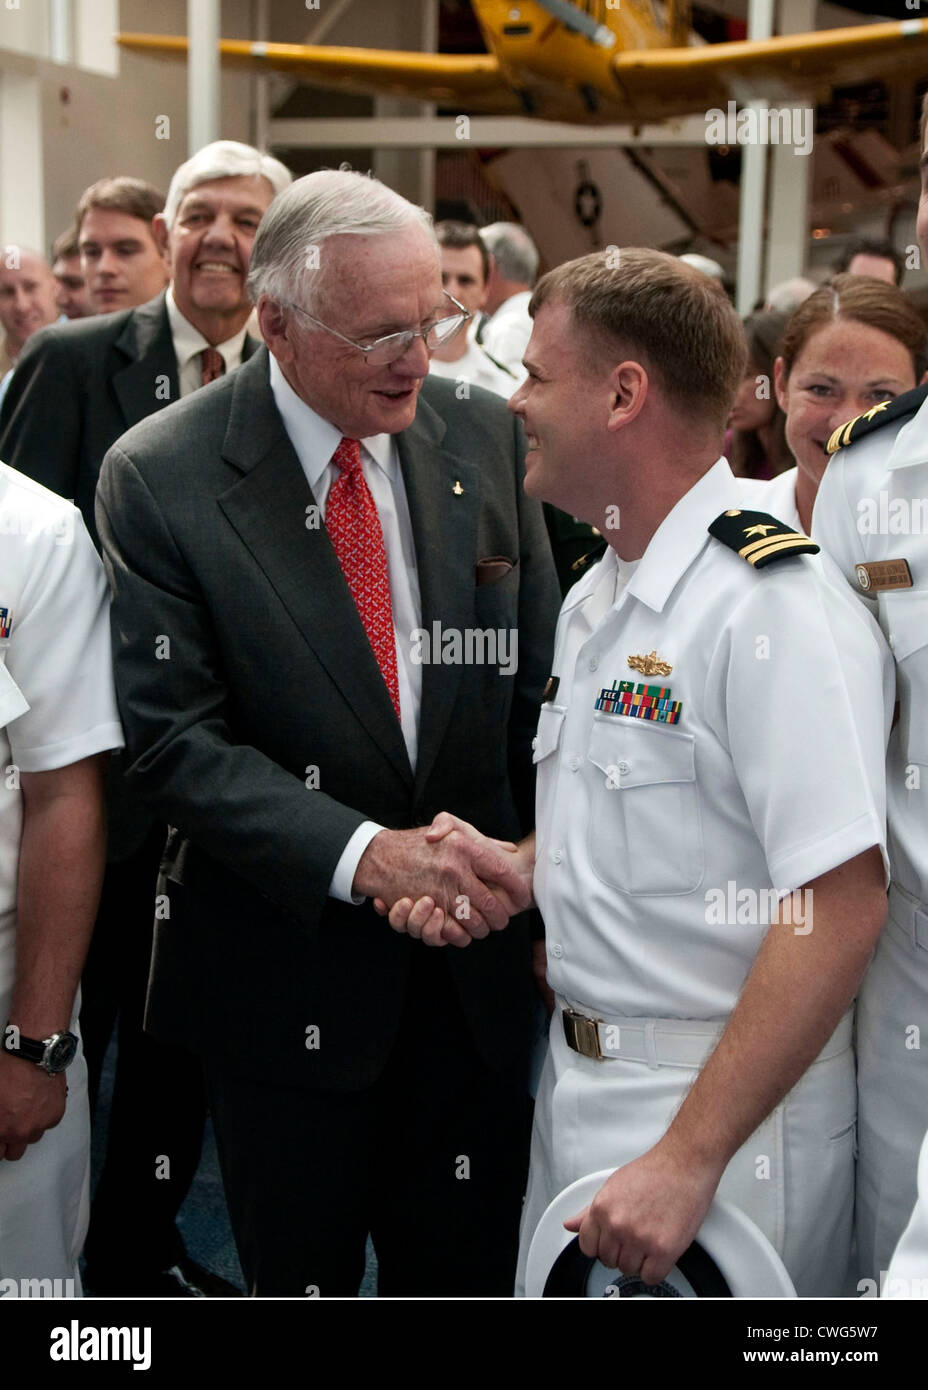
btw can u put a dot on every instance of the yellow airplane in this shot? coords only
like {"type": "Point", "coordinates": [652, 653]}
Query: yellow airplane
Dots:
{"type": "Point", "coordinates": [596, 62]}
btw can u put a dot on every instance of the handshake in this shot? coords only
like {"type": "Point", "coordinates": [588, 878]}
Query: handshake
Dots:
{"type": "Point", "coordinates": [446, 884]}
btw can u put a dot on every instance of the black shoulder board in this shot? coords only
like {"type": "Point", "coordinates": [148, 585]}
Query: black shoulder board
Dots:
{"type": "Point", "coordinates": [759, 538]}
{"type": "Point", "coordinates": [596, 553]}
{"type": "Point", "coordinates": [898, 409]}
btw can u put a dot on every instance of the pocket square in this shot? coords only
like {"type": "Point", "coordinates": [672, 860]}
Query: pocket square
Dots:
{"type": "Point", "coordinates": [494, 568]}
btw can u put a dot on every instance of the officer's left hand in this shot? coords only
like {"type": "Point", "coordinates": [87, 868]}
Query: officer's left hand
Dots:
{"type": "Point", "coordinates": [644, 1217]}
{"type": "Point", "coordinates": [31, 1102]}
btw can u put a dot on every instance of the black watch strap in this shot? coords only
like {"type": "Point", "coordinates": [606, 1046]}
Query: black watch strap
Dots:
{"type": "Point", "coordinates": [53, 1054]}
{"type": "Point", "coordinates": [30, 1049]}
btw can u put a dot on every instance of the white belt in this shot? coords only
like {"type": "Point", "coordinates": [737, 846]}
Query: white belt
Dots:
{"type": "Point", "coordinates": [909, 914]}
{"type": "Point", "coordinates": [661, 1041]}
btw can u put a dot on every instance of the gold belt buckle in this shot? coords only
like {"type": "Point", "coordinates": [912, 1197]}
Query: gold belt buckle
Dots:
{"type": "Point", "coordinates": [582, 1034]}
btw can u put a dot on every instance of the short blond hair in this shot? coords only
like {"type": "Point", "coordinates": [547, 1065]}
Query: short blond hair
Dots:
{"type": "Point", "coordinates": [653, 307]}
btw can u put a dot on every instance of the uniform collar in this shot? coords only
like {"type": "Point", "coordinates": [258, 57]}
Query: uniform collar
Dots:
{"type": "Point", "coordinates": [682, 535]}
{"type": "Point", "coordinates": [671, 550]}
{"type": "Point", "coordinates": [911, 443]}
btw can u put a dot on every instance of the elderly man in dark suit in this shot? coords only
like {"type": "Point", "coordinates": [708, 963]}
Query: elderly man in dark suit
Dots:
{"type": "Point", "coordinates": [354, 603]}
{"type": "Point", "coordinates": [77, 388]}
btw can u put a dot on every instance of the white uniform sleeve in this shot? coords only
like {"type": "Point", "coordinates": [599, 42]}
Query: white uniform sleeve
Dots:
{"type": "Point", "coordinates": [59, 653]}
{"type": "Point", "coordinates": [802, 687]}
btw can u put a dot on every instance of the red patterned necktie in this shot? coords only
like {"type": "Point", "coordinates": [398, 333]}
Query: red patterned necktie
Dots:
{"type": "Point", "coordinates": [355, 532]}
{"type": "Point", "coordinates": [212, 364]}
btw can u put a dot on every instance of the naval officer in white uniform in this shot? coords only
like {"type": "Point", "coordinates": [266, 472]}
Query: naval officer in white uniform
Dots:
{"type": "Point", "coordinates": [871, 515]}
{"type": "Point", "coordinates": [712, 741]}
{"type": "Point", "coordinates": [57, 716]}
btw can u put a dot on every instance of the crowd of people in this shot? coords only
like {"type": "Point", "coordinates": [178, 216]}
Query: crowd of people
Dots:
{"type": "Point", "coordinates": [384, 598]}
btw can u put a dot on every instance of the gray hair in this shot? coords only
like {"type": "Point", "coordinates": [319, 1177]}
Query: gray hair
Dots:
{"type": "Point", "coordinates": [223, 159]}
{"type": "Point", "coordinates": [513, 250]}
{"type": "Point", "coordinates": [331, 202]}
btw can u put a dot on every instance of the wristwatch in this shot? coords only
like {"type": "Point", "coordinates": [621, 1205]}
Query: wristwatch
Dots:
{"type": "Point", "coordinates": [53, 1054]}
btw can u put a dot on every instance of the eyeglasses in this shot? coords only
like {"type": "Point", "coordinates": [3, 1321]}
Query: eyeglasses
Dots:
{"type": "Point", "coordinates": [394, 345]}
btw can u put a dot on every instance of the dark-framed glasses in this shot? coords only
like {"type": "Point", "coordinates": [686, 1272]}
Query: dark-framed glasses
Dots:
{"type": "Point", "coordinates": [394, 345]}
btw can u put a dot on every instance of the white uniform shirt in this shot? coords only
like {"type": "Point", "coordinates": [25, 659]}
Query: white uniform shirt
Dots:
{"type": "Point", "coordinates": [506, 334]}
{"type": "Point", "coordinates": [57, 700]}
{"type": "Point", "coordinates": [774, 495]}
{"type": "Point", "coordinates": [773, 774]}
{"type": "Point", "coordinates": [477, 369]}
{"type": "Point", "coordinates": [872, 505]}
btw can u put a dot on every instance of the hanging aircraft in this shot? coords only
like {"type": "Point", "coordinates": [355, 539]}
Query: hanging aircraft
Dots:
{"type": "Point", "coordinates": [598, 62]}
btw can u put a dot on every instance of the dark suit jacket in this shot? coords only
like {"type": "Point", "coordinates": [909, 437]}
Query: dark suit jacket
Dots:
{"type": "Point", "coordinates": [77, 387]}
{"type": "Point", "coordinates": [269, 682]}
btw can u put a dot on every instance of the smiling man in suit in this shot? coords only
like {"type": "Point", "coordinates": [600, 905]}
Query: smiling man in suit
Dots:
{"type": "Point", "coordinates": [77, 388]}
{"type": "Point", "coordinates": [295, 534]}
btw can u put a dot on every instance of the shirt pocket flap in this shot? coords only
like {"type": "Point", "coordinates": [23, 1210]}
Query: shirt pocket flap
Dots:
{"type": "Point", "coordinates": [906, 621]}
{"type": "Point", "coordinates": [635, 753]}
{"type": "Point", "coordinates": [550, 723]}
{"type": "Point", "coordinates": [13, 702]}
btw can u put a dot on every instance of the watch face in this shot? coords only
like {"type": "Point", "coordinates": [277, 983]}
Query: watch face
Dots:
{"type": "Point", "coordinates": [60, 1052]}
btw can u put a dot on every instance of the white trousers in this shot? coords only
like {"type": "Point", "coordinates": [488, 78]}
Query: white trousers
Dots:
{"type": "Point", "coordinates": [908, 1269]}
{"type": "Point", "coordinates": [794, 1177]}
{"type": "Point", "coordinates": [45, 1195]}
{"type": "Point", "coordinates": [892, 1081]}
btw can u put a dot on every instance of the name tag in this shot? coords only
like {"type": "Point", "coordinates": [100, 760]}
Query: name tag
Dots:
{"type": "Point", "coordinates": [884, 574]}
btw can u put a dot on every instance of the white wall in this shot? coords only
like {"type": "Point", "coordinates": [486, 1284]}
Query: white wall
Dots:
{"type": "Point", "coordinates": [88, 124]}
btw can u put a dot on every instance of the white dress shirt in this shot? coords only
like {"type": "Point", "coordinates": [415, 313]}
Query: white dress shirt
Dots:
{"type": "Point", "coordinates": [477, 369]}
{"type": "Point", "coordinates": [189, 343]}
{"type": "Point", "coordinates": [314, 441]}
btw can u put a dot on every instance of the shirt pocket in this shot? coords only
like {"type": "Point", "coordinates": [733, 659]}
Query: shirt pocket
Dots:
{"type": "Point", "coordinates": [904, 619]}
{"type": "Point", "coordinates": [645, 832]}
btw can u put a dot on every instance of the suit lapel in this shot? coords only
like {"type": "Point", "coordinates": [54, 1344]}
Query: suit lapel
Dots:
{"type": "Point", "coordinates": [146, 342]}
{"type": "Point", "coordinates": [268, 507]}
{"type": "Point", "coordinates": [443, 494]}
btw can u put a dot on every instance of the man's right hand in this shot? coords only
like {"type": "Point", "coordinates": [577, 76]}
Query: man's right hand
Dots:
{"type": "Point", "coordinates": [31, 1102]}
{"type": "Point", "coordinates": [473, 883]}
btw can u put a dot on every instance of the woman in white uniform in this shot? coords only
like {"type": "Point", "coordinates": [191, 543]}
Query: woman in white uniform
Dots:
{"type": "Point", "coordinates": [849, 346]}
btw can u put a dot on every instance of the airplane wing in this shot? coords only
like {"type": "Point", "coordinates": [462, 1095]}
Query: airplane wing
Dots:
{"type": "Point", "coordinates": [644, 84]}
{"type": "Point", "coordinates": [671, 81]}
{"type": "Point", "coordinates": [475, 81]}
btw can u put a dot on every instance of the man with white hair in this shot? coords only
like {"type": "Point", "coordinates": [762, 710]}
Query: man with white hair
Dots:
{"type": "Point", "coordinates": [357, 530]}
{"type": "Point", "coordinates": [513, 273]}
{"type": "Point", "coordinates": [105, 374]}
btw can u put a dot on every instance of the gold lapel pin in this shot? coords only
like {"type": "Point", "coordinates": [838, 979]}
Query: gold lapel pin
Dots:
{"type": "Point", "coordinates": [457, 489]}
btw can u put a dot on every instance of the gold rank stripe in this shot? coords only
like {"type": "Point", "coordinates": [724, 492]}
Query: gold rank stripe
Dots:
{"type": "Point", "coordinates": [842, 436]}
{"type": "Point", "coordinates": [793, 542]}
{"type": "Point", "coordinates": [834, 443]}
{"type": "Point", "coordinates": [770, 543]}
